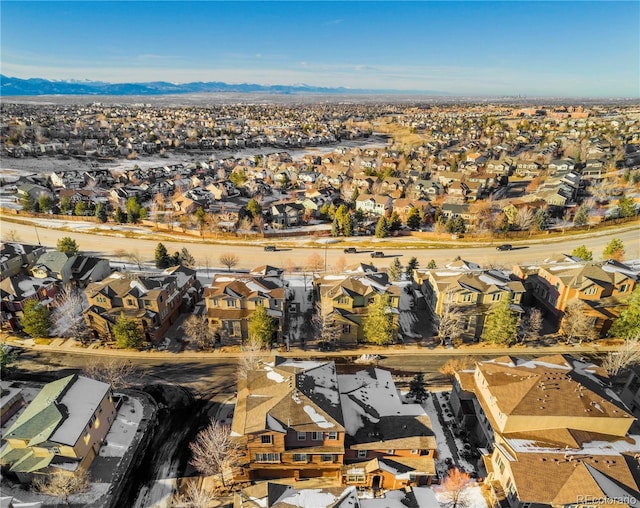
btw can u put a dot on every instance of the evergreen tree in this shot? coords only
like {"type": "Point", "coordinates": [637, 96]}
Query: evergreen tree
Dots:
{"type": "Point", "coordinates": [582, 216]}
{"type": "Point", "coordinates": [186, 259]}
{"type": "Point", "coordinates": [432, 264]}
{"type": "Point", "coordinates": [101, 212]}
{"type": "Point", "coordinates": [254, 208]}
{"type": "Point", "coordinates": [119, 216]}
{"type": "Point", "coordinates": [382, 230]}
{"type": "Point", "coordinates": [377, 325]}
{"type": "Point", "coordinates": [626, 206]}
{"type": "Point", "coordinates": [417, 390]}
{"type": "Point", "coordinates": [28, 203]}
{"type": "Point", "coordinates": [394, 222]}
{"type": "Point", "coordinates": [80, 209]}
{"type": "Point", "coordinates": [614, 250]}
{"type": "Point", "coordinates": [501, 324]}
{"type": "Point", "coordinates": [540, 219]}
{"type": "Point", "coordinates": [262, 327]}
{"type": "Point", "coordinates": [583, 253]}
{"type": "Point", "coordinates": [45, 203]}
{"type": "Point", "coordinates": [133, 210]}
{"type": "Point", "coordinates": [335, 229]}
{"type": "Point", "coordinates": [36, 319]}
{"type": "Point", "coordinates": [411, 266]}
{"type": "Point", "coordinates": [627, 326]}
{"type": "Point", "coordinates": [65, 205]}
{"type": "Point", "coordinates": [163, 260]}
{"type": "Point", "coordinates": [414, 219]}
{"type": "Point", "coordinates": [395, 270]}
{"type": "Point", "coordinates": [67, 245]}
{"type": "Point", "coordinates": [127, 333]}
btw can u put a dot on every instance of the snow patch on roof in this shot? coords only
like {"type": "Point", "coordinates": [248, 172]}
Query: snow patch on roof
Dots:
{"type": "Point", "coordinates": [318, 419]}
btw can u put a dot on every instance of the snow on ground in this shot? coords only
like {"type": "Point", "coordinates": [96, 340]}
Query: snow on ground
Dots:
{"type": "Point", "coordinates": [443, 448]}
{"type": "Point", "coordinates": [123, 429]}
{"type": "Point", "coordinates": [473, 497]}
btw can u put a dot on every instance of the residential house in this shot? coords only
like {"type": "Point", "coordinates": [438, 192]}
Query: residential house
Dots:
{"type": "Point", "coordinates": [78, 269]}
{"type": "Point", "coordinates": [602, 287]}
{"type": "Point", "coordinates": [61, 429]}
{"type": "Point", "coordinates": [453, 210]}
{"type": "Point", "coordinates": [470, 289]}
{"type": "Point", "coordinates": [289, 417]}
{"type": "Point", "coordinates": [346, 300]}
{"type": "Point", "coordinates": [154, 301]}
{"type": "Point", "coordinates": [381, 428]}
{"type": "Point", "coordinates": [286, 215]}
{"type": "Point", "coordinates": [405, 205]}
{"type": "Point", "coordinates": [17, 289]}
{"type": "Point", "coordinates": [374, 204]}
{"type": "Point", "coordinates": [232, 298]}
{"type": "Point", "coordinates": [551, 430]}
{"type": "Point", "coordinates": [18, 257]}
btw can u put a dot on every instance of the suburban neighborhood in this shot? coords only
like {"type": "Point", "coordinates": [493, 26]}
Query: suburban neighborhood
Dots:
{"type": "Point", "coordinates": [301, 361]}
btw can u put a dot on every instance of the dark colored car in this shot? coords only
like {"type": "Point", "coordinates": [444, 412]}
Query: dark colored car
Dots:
{"type": "Point", "coordinates": [350, 250]}
{"type": "Point", "coordinates": [270, 248]}
{"type": "Point", "coordinates": [377, 254]}
{"type": "Point", "coordinates": [504, 246]}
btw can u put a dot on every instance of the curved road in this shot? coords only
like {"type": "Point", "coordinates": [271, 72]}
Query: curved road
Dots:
{"type": "Point", "coordinates": [295, 252]}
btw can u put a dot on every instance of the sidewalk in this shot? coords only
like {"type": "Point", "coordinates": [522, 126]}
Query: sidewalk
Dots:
{"type": "Point", "coordinates": [75, 347]}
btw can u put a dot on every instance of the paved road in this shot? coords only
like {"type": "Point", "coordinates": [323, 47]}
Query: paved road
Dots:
{"type": "Point", "coordinates": [296, 252]}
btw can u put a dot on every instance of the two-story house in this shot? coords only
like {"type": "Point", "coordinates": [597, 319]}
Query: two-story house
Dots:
{"type": "Point", "coordinates": [602, 287]}
{"type": "Point", "coordinates": [232, 298]}
{"type": "Point", "coordinates": [288, 415]}
{"type": "Point", "coordinates": [63, 427]}
{"type": "Point", "coordinates": [18, 257]}
{"type": "Point", "coordinates": [553, 431]}
{"type": "Point", "coordinates": [469, 288]}
{"type": "Point", "coordinates": [346, 300]}
{"type": "Point", "coordinates": [154, 301]}
{"type": "Point", "coordinates": [374, 204]}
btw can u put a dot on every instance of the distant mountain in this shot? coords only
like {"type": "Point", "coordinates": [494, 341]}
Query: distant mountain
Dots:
{"type": "Point", "coordinates": [35, 86]}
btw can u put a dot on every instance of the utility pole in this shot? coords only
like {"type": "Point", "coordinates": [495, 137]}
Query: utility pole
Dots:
{"type": "Point", "coordinates": [37, 235]}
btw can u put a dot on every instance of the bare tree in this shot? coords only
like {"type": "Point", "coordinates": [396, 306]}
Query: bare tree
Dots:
{"type": "Point", "coordinates": [117, 372]}
{"type": "Point", "coordinates": [194, 496]}
{"type": "Point", "coordinates": [135, 258]}
{"type": "Point", "coordinates": [250, 359]}
{"type": "Point", "coordinates": [340, 265]}
{"type": "Point", "coordinates": [532, 325]}
{"type": "Point", "coordinates": [63, 484]}
{"type": "Point", "coordinates": [616, 362]}
{"type": "Point", "coordinates": [315, 263]}
{"type": "Point", "coordinates": [11, 236]}
{"type": "Point", "coordinates": [449, 323]}
{"type": "Point", "coordinates": [524, 218]}
{"type": "Point", "coordinates": [197, 329]}
{"type": "Point", "coordinates": [455, 489]}
{"type": "Point", "coordinates": [454, 365]}
{"type": "Point", "coordinates": [576, 324]}
{"type": "Point", "coordinates": [229, 259]}
{"type": "Point", "coordinates": [324, 324]}
{"type": "Point", "coordinates": [67, 316]}
{"type": "Point", "coordinates": [215, 451]}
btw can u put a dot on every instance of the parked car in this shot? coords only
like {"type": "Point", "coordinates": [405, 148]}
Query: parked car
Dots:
{"type": "Point", "coordinates": [504, 246]}
{"type": "Point", "coordinates": [377, 254]}
{"type": "Point", "coordinates": [350, 250]}
{"type": "Point", "coordinates": [270, 248]}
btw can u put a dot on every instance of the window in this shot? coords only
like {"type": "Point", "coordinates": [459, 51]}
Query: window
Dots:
{"type": "Point", "coordinates": [267, 457]}
{"type": "Point", "coordinates": [55, 450]}
{"type": "Point", "coordinates": [147, 303]}
{"type": "Point", "coordinates": [466, 297]}
{"type": "Point", "coordinates": [415, 452]}
{"type": "Point", "coordinates": [327, 458]}
{"type": "Point", "coordinates": [300, 457]}
{"type": "Point", "coordinates": [231, 303]}
{"type": "Point", "coordinates": [390, 452]}
{"type": "Point", "coordinates": [260, 303]}
{"type": "Point", "coordinates": [266, 439]}
{"type": "Point", "coordinates": [346, 328]}
{"type": "Point", "coordinates": [356, 478]}
{"type": "Point", "coordinates": [590, 290]}
{"type": "Point", "coordinates": [316, 436]}
{"type": "Point", "coordinates": [129, 301]}
{"type": "Point", "coordinates": [362, 454]}
{"type": "Point", "coordinates": [302, 436]}
{"type": "Point", "coordinates": [332, 436]}
{"type": "Point", "coordinates": [495, 297]}
{"type": "Point", "coordinates": [500, 464]}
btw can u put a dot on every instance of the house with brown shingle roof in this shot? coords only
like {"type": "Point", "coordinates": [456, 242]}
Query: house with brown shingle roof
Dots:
{"type": "Point", "coordinates": [554, 431]}
{"type": "Point", "coordinates": [232, 298]}
{"type": "Point", "coordinates": [289, 415]}
{"type": "Point", "coordinates": [471, 289]}
{"type": "Point", "coordinates": [347, 297]}
{"type": "Point", "coordinates": [602, 287]}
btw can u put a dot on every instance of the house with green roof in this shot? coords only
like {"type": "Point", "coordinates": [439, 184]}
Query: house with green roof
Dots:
{"type": "Point", "coordinates": [63, 427]}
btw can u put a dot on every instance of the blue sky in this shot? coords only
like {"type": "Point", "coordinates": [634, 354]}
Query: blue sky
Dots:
{"type": "Point", "coordinates": [479, 48]}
